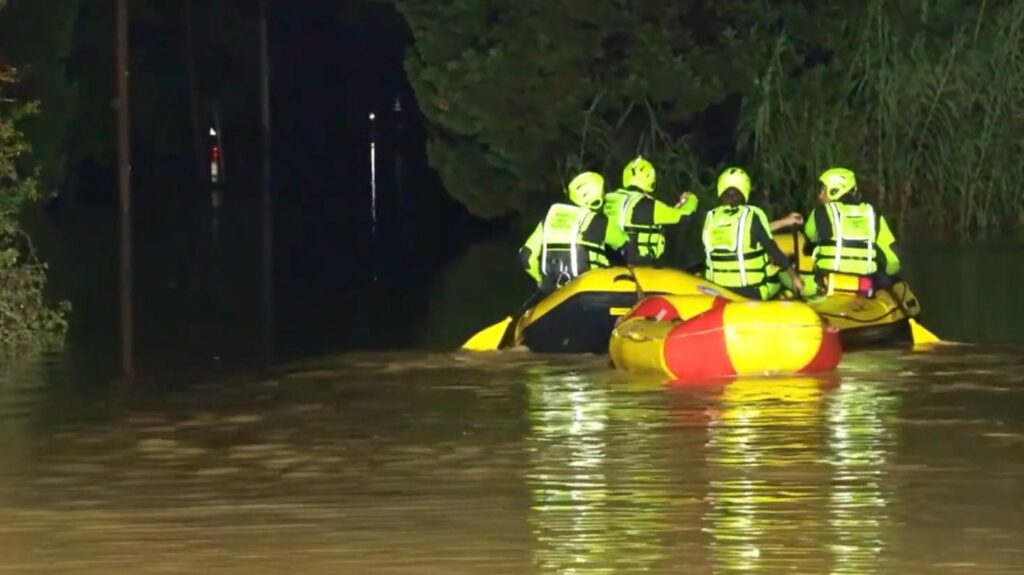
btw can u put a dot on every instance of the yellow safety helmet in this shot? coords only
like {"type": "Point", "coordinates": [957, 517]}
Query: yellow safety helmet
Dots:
{"type": "Point", "coordinates": [734, 178]}
{"type": "Point", "coordinates": [587, 190]}
{"type": "Point", "coordinates": [639, 173]}
{"type": "Point", "coordinates": [837, 182]}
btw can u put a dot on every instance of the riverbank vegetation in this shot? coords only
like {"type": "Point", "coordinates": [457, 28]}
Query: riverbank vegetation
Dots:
{"type": "Point", "coordinates": [28, 323]}
{"type": "Point", "coordinates": [923, 100]}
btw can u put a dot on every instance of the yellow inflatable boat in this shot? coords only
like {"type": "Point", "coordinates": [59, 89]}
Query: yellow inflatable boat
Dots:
{"type": "Point", "coordinates": [579, 317]}
{"type": "Point", "coordinates": [888, 316]}
{"type": "Point", "coordinates": [699, 337]}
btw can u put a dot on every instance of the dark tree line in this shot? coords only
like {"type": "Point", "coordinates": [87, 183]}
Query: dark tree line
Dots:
{"type": "Point", "coordinates": [922, 99]}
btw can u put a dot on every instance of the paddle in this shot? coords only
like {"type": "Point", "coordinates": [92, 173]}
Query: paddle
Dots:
{"type": "Point", "coordinates": [921, 335]}
{"type": "Point", "coordinates": [639, 289]}
{"type": "Point", "coordinates": [796, 249]}
{"type": "Point", "coordinates": [918, 333]}
{"type": "Point", "coordinates": [500, 335]}
{"type": "Point", "coordinates": [796, 261]}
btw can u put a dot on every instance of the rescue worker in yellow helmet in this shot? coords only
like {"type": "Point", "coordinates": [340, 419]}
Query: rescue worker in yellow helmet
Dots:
{"type": "Point", "coordinates": [851, 237]}
{"type": "Point", "coordinates": [572, 237]}
{"type": "Point", "coordinates": [642, 216]}
{"type": "Point", "coordinates": [738, 243]}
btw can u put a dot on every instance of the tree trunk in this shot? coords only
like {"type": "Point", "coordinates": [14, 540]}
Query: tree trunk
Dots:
{"type": "Point", "coordinates": [268, 244]}
{"type": "Point", "coordinates": [124, 190]}
{"type": "Point", "coordinates": [195, 104]}
{"type": "Point", "coordinates": [200, 209]}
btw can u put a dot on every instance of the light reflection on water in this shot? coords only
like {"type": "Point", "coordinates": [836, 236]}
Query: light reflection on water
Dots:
{"type": "Point", "coordinates": [860, 444]}
{"type": "Point", "coordinates": [764, 451]}
{"type": "Point", "coordinates": [416, 463]}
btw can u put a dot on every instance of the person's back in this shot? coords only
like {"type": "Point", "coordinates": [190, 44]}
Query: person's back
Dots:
{"type": "Point", "coordinates": [851, 237]}
{"type": "Point", "coordinates": [738, 245]}
{"type": "Point", "coordinates": [571, 238]}
{"type": "Point", "coordinates": [642, 217]}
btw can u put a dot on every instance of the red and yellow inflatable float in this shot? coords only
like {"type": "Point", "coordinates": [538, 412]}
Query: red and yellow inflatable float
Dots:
{"type": "Point", "coordinates": [695, 337]}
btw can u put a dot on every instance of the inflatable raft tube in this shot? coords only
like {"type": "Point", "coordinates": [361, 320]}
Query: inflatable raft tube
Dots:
{"type": "Point", "coordinates": [674, 335]}
{"type": "Point", "coordinates": [882, 320]}
{"type": "Point", "coordinates": [579, 317]}
{"type": "Point", "coordinates": [885, 319]}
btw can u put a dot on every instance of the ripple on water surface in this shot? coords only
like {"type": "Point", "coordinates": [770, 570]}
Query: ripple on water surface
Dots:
{"type": "Point", "coordinates": [515, 463]}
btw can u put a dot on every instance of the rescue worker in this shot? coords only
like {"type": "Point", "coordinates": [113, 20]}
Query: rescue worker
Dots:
{"type": "Point", "coordinates": [849, 234]}
{"type": "Point", "coordinates": [738, 245]}
{"type": "Point", "coordinates": [572, 237]}
{"type": "Point", "coordinates": [642, 216]}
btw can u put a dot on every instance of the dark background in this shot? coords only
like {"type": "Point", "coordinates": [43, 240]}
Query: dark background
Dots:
{"type": "Point", "coordinates": [336, 283]}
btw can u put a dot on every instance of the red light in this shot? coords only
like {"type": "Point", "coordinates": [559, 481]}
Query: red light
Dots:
{"type": "Point", "coordinates": [215, 153]}
{"type": "Point", "coordinates": [866, 287]}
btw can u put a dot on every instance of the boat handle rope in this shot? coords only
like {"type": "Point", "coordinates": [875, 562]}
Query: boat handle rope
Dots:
{"type": "Point", "coordinates": [902, 302]}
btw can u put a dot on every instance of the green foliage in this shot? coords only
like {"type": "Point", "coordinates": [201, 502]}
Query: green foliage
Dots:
{"type": "Point", "coordinates": [923, 100]}
{"type": "Point", "coordinates": [522, 94]}
{"type": "Point", "coordinates": [27, 323]}
{"type": "Point", "coordinates": [36, 38]}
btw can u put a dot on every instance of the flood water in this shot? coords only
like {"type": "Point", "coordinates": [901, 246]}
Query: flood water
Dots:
{"type": "Point", "coordinates": [425, 462]}
{"type": "Point", "coordinates": [904, 462]}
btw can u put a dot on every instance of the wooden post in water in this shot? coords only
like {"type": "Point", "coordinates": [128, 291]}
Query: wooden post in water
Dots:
{"type": "Point", "coordinates": [124, 190]}
{"type": "Point", "coordinates": [194, 103]}
{"type": "Point", "coordinates": [198, 202]}
{"type": "Point", "coordinates": [268, 244]}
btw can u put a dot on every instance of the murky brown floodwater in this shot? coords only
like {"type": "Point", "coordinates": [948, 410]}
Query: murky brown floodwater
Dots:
{"type": "Point", "coordinates": [904, 463]}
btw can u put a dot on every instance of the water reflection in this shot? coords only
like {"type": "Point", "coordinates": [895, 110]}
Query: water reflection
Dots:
{"type": "Point", "coordinates": [602, 499]}
{"type": "Point", "coordinates": [861, 438]}
{"type": "Point", "coordinates": [434, 463]}
{"type": "Point", "coordinates": [764, 450]}
{"type": "Point", "coordinates": [797, 467]}
{"type": "Point", "coordinates": [568, 418]}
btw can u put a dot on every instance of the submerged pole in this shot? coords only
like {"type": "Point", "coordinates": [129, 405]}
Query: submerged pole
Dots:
{"type": "Point", "coordinates": [193, 96]}
{"type": "Point", "coordinates": [268, 254]}
{"type": "Point", "coordinates": [124, 190]}
{"type": "Point", "coordinates": [375, 244]}
{"type": "Point", "coordinates": [373, 176]}
{"type": "Point", "coordinates": [404, 208]}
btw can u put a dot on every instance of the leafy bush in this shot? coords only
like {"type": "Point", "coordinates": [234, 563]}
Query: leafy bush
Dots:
{"type": "Point", "coordinates": [27, 323]}
{"type": "Point", "coordinates": [923, 100]}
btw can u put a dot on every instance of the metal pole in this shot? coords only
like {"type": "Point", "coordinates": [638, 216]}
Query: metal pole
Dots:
{"type": "Point", "coordinates": [124, 190]}
{"type": "Point", "coordinates": [403, 204]}
{"type": "Point", "coordinates": [373, 176]}
{"type": "Point", "coordinates": [268, 244]}
{"type": "Point", "coordinates": [375, 245]}
{"type": "Point", "coordinates": [194, 98]}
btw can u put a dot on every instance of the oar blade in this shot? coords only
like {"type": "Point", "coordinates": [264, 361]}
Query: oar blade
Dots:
{"type": "Point", "coordinates": [489, 338]}
{"type": "Point", "coordinates": [921, 334]}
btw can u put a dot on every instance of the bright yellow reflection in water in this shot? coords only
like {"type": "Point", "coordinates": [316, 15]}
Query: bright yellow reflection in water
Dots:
{"type": "Point", "coordinates": [792, 475]}
{"type": "Point", "coordinates": [796, 470]}
{"type": "Point", "coordinates": [599, 502]}
{"type": "Point", "coordinates": [763, 448]}
{"type": "Point", "coordinates": [860, 440]}
{"type": "Point", "coordinates": [568, 417]}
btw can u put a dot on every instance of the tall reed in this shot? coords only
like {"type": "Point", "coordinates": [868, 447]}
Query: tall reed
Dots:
{"type": "Point", "coordinates": [930, 117]}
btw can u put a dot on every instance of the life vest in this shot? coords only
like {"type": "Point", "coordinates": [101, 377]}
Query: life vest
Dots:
{"type": "Point", "coordinates": [851, 248]}
{"type": "Point", "coordinates": [646, 240]}
{"type": "Point", "coordinates": [731, 258]}
{"type": "Point", "coordinates": [565, 253]}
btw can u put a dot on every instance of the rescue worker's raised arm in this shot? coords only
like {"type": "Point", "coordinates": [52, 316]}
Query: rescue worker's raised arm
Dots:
{"type": "Point", "coordinates": [529, 254]}
{"type": "Point", "coordinates": [887, 245]}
